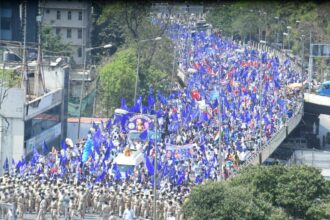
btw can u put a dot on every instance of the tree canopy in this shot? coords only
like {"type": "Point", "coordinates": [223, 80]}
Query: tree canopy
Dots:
{"type": "Point", "coordinates": [262, 192]}
{"type": "Point", "coordinates": [129, 28]}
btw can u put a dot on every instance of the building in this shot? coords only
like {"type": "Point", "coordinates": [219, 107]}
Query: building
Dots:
{"type": "Point", "coordinates": [28, 120]}
{"type": "Point", "coordinates": [11, 20]}
{"type": "Point", "coordinates": [72, 21]}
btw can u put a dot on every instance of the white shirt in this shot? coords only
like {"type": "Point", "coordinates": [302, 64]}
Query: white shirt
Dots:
{"type": "Point", "coordinates": [128, 214]}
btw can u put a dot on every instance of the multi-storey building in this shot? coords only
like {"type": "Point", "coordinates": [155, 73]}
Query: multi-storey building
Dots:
{"type": "Point", "coordinates": [11, 20]}
{"type": "Point", "coordinates": [71, 20]}
{"type": "Point", "coordinates": [27, 120]}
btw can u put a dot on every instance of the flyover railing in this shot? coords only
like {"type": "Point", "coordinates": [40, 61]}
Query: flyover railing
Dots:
{"type": "Point", "coordinates": [267, 149]}
{"type": "Point", "coordinates": [7, 211]}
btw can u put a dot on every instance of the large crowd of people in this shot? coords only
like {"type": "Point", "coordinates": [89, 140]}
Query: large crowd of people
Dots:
{"type": "Point", "coordinates": [234, 101]}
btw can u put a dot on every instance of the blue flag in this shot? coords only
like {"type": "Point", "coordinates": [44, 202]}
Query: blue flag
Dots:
{"type": "Point", "coordinates": [123, 104]}
{"type": "Point", "coordinates": [116, 171]}
{"type": "Point", "coordinates": [63, 145]}
{"type": "Point", "coordinates": [6, 165]}
{"type": "Point", "coordinates": [44, 148]}
{"type": "Point", "coordinates": [144, 135]}
{"type": "Point", "coordinates": [100, 177]}
{"type": "Point", "coordinates": [87, 150]}
{"type": "Point", "coordinates": [149, 166]}
{"type": "Point", "coordinates": [97, 141]}
{"type": "Point", "coordinates": [151, 99]}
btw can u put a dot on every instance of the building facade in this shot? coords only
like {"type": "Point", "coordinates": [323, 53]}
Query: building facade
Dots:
{"type": "Point", "coordinates": [11, 20]}
{"type": "Point", "coordinates": [72, 21]}
{"type": "Point", "coordinates": [30, 121]}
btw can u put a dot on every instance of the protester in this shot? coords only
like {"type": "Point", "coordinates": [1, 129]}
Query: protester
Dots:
{"type": "Point", "coordinates": [234, 102]}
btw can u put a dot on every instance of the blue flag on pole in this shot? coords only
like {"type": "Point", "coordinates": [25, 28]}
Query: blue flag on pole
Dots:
{"type": "Point", "coordinates": [44, 148]}
{"type": "Point", "coordinates": [116, 171]}
{"type": "Point", "coordinates": [87, 150]}
{"type": "Point", "coordinates": [144, 135]}
{"type": "Point", "coordinates": [149, 166]}
{"type": "Point", "coordinates": [123, 104]}
{"type": "Point", "coordinates": [6, 165]}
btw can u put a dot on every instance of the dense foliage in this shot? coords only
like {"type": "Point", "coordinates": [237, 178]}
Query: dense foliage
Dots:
{"type": "Point", "coordinates": [269, 20]}
{"type": "Point", "coordinates": [263, 192]}
{"type": "Point", "coordinates": [129, 29]}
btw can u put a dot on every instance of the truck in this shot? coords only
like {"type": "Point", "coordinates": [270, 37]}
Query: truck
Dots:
{"type": "Point", "coordinates": [324, 89]}
{"type": "Point", "coordinates": [127, 162]}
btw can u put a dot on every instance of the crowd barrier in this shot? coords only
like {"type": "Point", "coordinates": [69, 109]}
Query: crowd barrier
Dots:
{"type": "Point", "coordinates": [7, 211]}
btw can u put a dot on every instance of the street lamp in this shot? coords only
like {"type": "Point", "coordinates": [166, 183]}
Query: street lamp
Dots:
{"type": "Point", "coordinates": [289, 28]}
{"type": "Point", "coordinates": [154, 117]}
{"type": "Point", "coordinates": [83, 82]}
{"type": "Point", "coordinates": [285, 34]}
{"type": "Point", "coordinates": [138, 62]}
{"type": "Point", "coordinates": [277, 18]}
{"type": "Point", "coordinates": [302, 63]}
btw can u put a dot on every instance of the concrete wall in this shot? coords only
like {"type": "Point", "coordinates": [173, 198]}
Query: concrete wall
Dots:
{"type": "Point", "coordinates": [12, 126]}
{"type": "Point", "coordinates": [54, 77]}
{"type": "Point", "coordinates": [315, 158]}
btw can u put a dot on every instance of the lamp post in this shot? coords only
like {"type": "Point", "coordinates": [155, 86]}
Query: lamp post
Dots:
{"type": "Point", "coordinates": [220, 126]}
{"type": "Point", "coordinates": [285, 34]}
{"type": "Point", "coordinates": [289, 28]}
{"type": "Point", "coordinates": [302, 64]}
{"type": "Point", "coordinates": [138, 62]}
{"type": "Point", "coordinates": [277, 18]}
{"type": "Point", "coordinates": [154, 118]}
{"type": "Point", "coordinates": [83, 82]}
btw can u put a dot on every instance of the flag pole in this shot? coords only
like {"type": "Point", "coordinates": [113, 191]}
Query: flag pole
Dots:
{"type": "Point", "coordinates": [220, 125]}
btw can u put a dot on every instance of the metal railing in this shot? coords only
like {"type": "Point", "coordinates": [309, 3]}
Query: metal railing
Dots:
{"type": "Point", "coordinates": [7, 211]}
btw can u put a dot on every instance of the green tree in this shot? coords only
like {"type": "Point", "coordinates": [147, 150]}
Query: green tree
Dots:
{"type": "Point", "coordinates": [52, 43]}
{"type": "Point", "coordinates": [220, 200]}
{"type": "Point", "coordinates": [117, 79]}
{"type": "Point", "coordinates": [128, 27]}
{"type": "Point", "coordinates": [299, 188]}
{"type": "Point", "coordinates": [263, 192]}
{"type": "Point", "coordinates": [319, 211]}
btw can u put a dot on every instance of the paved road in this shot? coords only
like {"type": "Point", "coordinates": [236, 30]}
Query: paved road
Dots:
{"type": "Point", "coordinates": [87, 217]}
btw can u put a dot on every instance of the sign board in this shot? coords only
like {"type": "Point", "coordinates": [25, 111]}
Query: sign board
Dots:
{"type": "Point", "coordinates": [179, 152]}
{"type": "Point", "coordinates": [151, 135]}
{"type": "Point", "coordinates": [140, 123]}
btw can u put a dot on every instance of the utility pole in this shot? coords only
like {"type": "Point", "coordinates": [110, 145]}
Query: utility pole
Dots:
{"type": "Point", "coordinates": [24, 61]}
{"type": "Point", "coordinates": [38, 77]}
{"type": "Point", "coordinates": [310, 64]}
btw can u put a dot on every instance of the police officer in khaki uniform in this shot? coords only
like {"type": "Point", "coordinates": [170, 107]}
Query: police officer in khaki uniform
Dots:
{"type": "Point", "coordinates": [54, 208]}
{"type": "Point", "coordinates": [120, 204]}
{"type": "Point", "coordinates": [20, 206]}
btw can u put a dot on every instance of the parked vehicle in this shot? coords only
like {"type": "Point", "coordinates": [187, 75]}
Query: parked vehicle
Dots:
{"type": "Point", "coordinates": [324, 89]}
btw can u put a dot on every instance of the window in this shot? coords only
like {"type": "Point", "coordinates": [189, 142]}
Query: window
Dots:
{"type": "Point", "coordinates": [80, 16]}
{"type": "Point", "coordinates": [58, 31]}
{"type": "Point", "coordinates": [79, 52]}
{"type": "Point", "coordinates": [79, 33]}
{"type": "Point", "coordinates": [68, 33]}
{"type": "Point", "coordinates": [69, 15]}
{"type": "Point", "coordinates": [5, 23]}
{"type": "Point", "coordinates": [58, 15]}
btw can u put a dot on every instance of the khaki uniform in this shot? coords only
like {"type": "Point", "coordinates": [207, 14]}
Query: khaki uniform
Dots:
{"type": "Point", "coordinates": [20, 208]}
{"type": "Point", "coordinates": [31, 201]}
{"type": "Point", "coordinates": [160, 209]}
{"type": "Point", "coordinates": [120, 204]}
{"type": "Point", "coordinates": [144, 208]}
{"type": "Point", "coordinates": [42, 210]}
{"type": "Point", "coordinates": [105, 212]}
{"type": "Point", "coordinates": [54, 209]}
{"type": "Point", "coordinates": [82, 203]}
